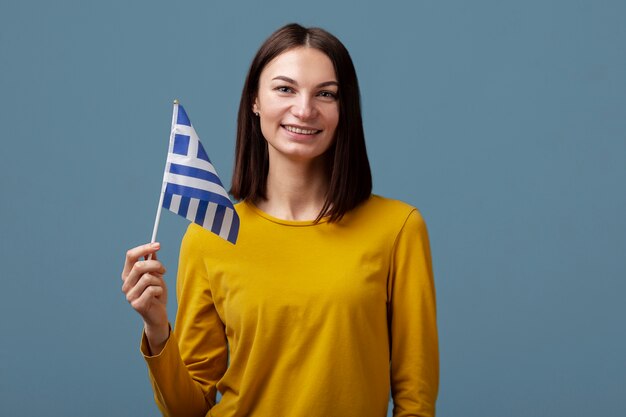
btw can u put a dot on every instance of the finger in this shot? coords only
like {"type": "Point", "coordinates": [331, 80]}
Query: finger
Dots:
{"type": "Point", "coordinates": [144, 282]}
{"type": "Point", "coordinates": [140, 268]}
{"type": "Point", "coordinates": [133, 255]}
{"type": "Point", "coordinates": [147, 299]}
{"type": "Point", "coordinates": [152, 256]}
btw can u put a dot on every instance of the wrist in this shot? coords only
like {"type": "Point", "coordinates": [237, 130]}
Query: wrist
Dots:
{"type": "Point", "coordinates": [156, 336]}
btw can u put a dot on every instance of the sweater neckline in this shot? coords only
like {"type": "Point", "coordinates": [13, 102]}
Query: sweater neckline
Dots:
{"type": "Point", "coordinates": [284, 222]}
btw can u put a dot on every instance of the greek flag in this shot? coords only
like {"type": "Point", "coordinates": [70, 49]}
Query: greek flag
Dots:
{"type": "Point", "coordinates": [191, 186]}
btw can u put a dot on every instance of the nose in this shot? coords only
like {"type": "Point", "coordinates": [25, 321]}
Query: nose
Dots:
{"type": "Point", "coordinates": [304, 109]}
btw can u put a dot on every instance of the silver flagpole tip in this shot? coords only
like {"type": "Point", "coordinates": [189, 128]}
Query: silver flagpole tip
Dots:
{"type": "Point", "coordinates": [175, 101]}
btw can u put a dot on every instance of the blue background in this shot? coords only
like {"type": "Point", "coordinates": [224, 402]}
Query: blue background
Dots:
{"type": "Point", "coordinates": [504, 122]}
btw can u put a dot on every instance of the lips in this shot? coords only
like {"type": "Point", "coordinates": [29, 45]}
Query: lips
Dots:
{"type": "Point", "coordinates": [301, 130]}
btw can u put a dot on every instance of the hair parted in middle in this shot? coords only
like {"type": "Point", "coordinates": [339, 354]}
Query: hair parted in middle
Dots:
{"type": "Point", "coordinates": [350, 176]}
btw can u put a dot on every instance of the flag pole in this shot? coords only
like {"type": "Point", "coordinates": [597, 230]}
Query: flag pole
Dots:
{"type": "Point", "coordinates": [158, 214]}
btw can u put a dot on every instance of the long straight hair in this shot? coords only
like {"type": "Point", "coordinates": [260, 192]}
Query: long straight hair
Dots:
{"type": "Point", "coordinates": [350, 178]}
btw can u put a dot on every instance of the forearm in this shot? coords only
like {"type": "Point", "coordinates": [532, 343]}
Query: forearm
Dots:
{"type": "Point", "coordinates": [175, 391]}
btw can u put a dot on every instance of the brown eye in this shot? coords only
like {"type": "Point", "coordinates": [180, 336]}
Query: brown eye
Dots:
{"type": "Point", "coordinates": [284, 89]}
{"type": "Point", "coordinates": [328, 94]}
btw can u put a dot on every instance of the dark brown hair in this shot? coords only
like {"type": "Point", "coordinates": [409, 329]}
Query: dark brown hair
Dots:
{"type": "Point", "coordinates": [350, 176]}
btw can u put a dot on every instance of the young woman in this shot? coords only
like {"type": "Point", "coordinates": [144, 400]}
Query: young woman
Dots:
{"type": "Point", "coordinates": [327, 300]}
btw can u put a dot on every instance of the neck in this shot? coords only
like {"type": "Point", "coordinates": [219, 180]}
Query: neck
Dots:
{"type": "Point", "coordinates": [295, 190]}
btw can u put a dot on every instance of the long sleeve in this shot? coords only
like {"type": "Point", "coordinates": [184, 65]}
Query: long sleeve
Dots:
{"type": "Point", "coordinates": [413, 322]}
{"type": "Point", "coordinates": [185, 373]}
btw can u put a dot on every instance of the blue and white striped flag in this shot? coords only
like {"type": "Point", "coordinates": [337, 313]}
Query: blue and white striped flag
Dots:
{"type": "Point", "coordinates": [191, 186]}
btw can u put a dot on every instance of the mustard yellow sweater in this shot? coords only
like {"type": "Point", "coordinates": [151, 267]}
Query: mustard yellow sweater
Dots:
{"type": "Point", "coordinates": [304, 320]}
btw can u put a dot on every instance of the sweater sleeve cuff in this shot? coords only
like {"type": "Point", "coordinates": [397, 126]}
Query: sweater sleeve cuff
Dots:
{"type": "Point", "coordinates": [144, 347]}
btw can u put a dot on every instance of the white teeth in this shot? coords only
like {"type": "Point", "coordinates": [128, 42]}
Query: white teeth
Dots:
{"type": "Point", "coordinates": [300, 131]}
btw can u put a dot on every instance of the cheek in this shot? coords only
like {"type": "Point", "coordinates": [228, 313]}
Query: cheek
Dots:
{"type": "Point", "coordinates": [334, 114]}
{"type": "Point", "coordinates": [334, 122]}
{"type": "Point", "coordinates": [270, 114]}
{"type": "Point", "coordinates": [265, 129]}
{"type": "Point", "coordinates": [270, 126]}
{"type": "Point", "coordinates": [268, 122]}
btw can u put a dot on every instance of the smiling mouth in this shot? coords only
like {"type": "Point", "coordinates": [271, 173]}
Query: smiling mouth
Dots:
{"type": "Point", "coordinates": [301, 131]}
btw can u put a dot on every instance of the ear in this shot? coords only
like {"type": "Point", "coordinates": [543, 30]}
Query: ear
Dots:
{"type": "Point", "coordinates": [255, 106]}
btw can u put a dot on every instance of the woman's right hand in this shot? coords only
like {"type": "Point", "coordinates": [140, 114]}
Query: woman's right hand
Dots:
{"type": "Point", "coordinates": [146, 292]}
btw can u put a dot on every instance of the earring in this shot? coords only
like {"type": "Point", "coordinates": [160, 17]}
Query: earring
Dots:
{"type": "Point", "coordinates": [256, 113]}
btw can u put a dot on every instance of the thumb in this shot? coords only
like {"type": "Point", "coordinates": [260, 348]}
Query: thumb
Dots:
{"type": "Point", "coordinates": [152, 256]}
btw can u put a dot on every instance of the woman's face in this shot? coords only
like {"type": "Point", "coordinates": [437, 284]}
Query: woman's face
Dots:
{"type": "Point", "coordinates": [297, 104]}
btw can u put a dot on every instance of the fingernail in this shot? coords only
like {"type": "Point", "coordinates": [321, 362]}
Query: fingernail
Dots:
{"type": "Point", "coordinates": [155, 245]}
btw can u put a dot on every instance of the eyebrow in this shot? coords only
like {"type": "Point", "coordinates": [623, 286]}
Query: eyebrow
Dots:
{"type": "Point", "coordinates": [294, 82]}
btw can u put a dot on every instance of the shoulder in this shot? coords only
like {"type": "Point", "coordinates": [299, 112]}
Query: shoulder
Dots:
{"type": "Point", "coordinates": [203, 243]}
{"type": "Point", "coordinates": [199, 242]}
{"type": "Point", "coordinates": [194, 240]}
{"type": "Point", "coordinates": [390, 210]}
{"type": "Point", "coordinates": [381, 202]}
{"type": "Point", "coordinates": [386, 218]}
